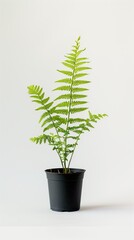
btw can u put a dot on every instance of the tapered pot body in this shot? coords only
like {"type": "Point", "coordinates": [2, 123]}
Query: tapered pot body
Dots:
{"type": "Point", "coordinates": [65, 189]}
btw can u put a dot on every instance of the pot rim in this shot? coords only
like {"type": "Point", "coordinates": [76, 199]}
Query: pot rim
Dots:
{"type": "Point", "coordinates": [74, 171]}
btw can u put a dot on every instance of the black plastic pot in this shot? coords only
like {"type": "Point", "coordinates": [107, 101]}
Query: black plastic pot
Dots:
{"type": "Point", "coordinates": [65, 189]}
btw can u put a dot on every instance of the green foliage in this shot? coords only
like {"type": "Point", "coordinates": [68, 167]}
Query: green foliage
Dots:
{"type": "Point", "coordinates": [60, 120]}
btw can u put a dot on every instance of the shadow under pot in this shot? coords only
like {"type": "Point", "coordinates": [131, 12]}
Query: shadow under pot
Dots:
{"type": "Point", "coordinates": [65, 189]}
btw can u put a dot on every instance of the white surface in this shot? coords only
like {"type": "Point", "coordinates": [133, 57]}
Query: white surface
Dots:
{"type": "Point", "coordinates": [103, 215]}
{"type": "Point", "coordinates": [35, 35]}
{"type": "Point", "coordinates": [71, 233]}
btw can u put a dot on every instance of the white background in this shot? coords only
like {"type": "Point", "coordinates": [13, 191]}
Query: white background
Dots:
{"type": "Point", "coordinates": [35, 35]}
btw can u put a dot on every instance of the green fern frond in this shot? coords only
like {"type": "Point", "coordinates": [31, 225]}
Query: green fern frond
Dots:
{"type": "Point", "coordinates": [73, 137]}
{"type": "Point", "coordinates": [67, 88]}
{"type": "Point", "coordinates": [61, 130]}
{"type": "Point", "coordinates": [81, 59]}
{"type": "Point", "coordinates": [63, 96]}
{"type": "Point", "coordinates": [81, 63]}
{"type": "Point", "coordinates": [65, 80]}
{"type": "Point", "coordinates": [50, 126]}
{"type": "Point", "coordinates": [55, 118]}
{"type": "Point", "coordinates": [63, 104]}
{"type": "Point", "coordinates": [77, 131]}
{"type": "Point", "coordinates": [37, 101]}
{"type": "Point", "coordinates": [75, 103]}
{"type": "Point", "coordinates": [45, 100]}
{"type": "Point", "coordinates": [70, 58]}
{"type": "Point", "coordinates": [67, 96]}
{"type": "Point", "coordinates": [34, 96]}
{"type": "Point", "coordinates": [47, 106]}
{"type": "Point", "coordinates": [77, 110]}
{"type": "Point", "coordinates": [68, 73]}
{"type": "Point", "coordinates": [76, 89]}
{"type": "Point", "coordinates": [34, 89]}
{"type": "Point", "coordinates": [40, 108]}
{"type": "Point", "coordinates": [77, 96]}
{"type": "Point", "coordinates": [40, 139]}
{"type": "Point", "coordinates": [61, 111]}
{"type": "Point", "coordinates": [68, 65]}
{"type": "Point", "coordinates": [44, 107]}
{"type": "Point", "coordinates": [37, 94]}
{"type": "Point", "coordinates": [81, 127]}
{"type": "Point", "coordinates": [79, 75]}
{"type": "Point", "coordinates": [89, 124]}
{"type": "Point", "coordinates": [80, 82]}
{"type": "Point", "coordinates": [70, 62]}
{"type": "Point", "coordinates": [79, 52]}
{"type": "Point", "coordinates": [79, 69]}
{"type": "Point", "coordinates": [103, 115]}
{"type": "Point", "coordinates": [64, 131]}
{"type": "Point", "coordinates": [62, 88]}
{"type": "Point", "coordinates": [71, 55]}
{"type": "Point", "coordinates": [69, 146]}
{"type": "Point", "coordinates": [44, 115]}
{"type": "Point", "coordinates": [46, 121]}
{"type": "Point", "coordinates": [76, 120]}
{"type": "Point", "coordinates": [95, 117]}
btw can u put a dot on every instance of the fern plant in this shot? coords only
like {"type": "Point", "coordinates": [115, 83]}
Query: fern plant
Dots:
{"type": "Point", "coordinates": [61, 119]}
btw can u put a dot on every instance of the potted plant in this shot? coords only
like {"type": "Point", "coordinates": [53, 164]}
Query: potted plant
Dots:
{"type": "Point", "coordinates": [63, 123]}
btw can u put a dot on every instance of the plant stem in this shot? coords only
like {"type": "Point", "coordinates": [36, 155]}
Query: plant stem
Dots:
{"type": "Point", "coordinates": [56, 132]}
{"type": "Point", "coordinates": [69, 107]}
{"type": "Point", "coordinates": [73, 151]}
{"type": "Point", "coordinates": [58, 137]}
